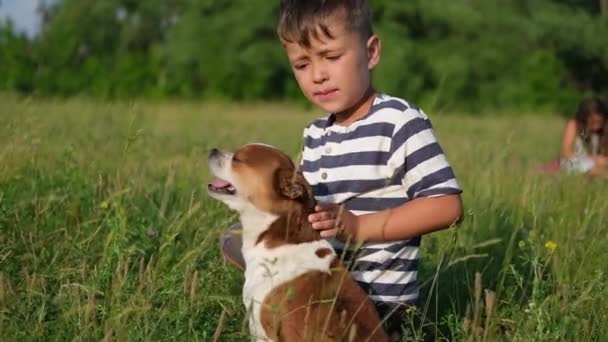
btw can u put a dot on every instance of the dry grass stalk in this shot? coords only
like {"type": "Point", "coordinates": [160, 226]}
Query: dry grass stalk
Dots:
{"type": "Point", "coordinates": [2, 290]}
{"type": "Point", "coordinates": [108, 332]}
{"type": "Point", "coordinates": [477, 301]}
{"type": "Point", "coordinates": [187, 280]}
{"type": "Point", "coordinates": [143, 268]}
{"type": "Point", "coordinates": [467, 322]}
{"type": "Point", "coordinates": [220, 326]}
{"type": "Point", "coordinates": [169, 185]}
{"type": "Point", "coordinates": [193, 287]}
{"type": "Point", "coordinates": [490, 302]}
{"type": "Point", "coordinates": [89, 313]}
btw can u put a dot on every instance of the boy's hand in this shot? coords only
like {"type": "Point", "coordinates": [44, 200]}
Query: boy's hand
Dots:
{"type": "Point", "coordinates": [333, 220]}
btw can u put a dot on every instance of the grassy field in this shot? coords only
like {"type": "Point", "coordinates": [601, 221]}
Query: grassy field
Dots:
{"type": "Point", "coordinates": [106, 230]}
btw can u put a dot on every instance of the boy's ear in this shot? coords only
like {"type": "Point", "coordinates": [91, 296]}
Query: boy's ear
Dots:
{"type": "Point", "coordinates": [373, 51]}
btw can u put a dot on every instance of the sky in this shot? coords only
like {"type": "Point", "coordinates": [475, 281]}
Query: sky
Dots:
{"type": "Point", "coordinates": [23, 14]}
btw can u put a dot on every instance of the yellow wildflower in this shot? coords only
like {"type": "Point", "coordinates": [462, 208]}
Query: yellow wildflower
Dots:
{"type": "Point", "coordinates": [104, 205]}
{"type": "Point", "coordinates": [550, 245]}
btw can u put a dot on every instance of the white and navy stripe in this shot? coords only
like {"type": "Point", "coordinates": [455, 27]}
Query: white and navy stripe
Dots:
{"type": "Point", "coordinates": [381, 161]}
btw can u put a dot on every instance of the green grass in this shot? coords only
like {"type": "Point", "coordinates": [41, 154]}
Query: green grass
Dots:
{"type": "Point", "coordinates": [106, 231]}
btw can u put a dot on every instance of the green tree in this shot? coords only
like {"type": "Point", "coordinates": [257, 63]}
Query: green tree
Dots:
{"type": "Point", "coordinates": [107, 49]}
{"type": "Point", "coordinates": [229, 49]}
{"type": "Point", "coordinates": [461, 54]}
{"type": "Point", "coordinates": [16, 64]}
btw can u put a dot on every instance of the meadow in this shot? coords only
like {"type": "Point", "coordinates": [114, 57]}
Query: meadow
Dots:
{"type": "Point", "coordinates": [107, 232]}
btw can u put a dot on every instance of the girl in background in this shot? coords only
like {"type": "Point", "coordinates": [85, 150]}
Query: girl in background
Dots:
{"type": "Point", "coordinates": [584, 135]}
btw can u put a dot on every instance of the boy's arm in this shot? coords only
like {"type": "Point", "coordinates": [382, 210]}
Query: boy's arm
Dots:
{"type": "Point", "coordinates": [429, 183]}
{"type": "Point", "coordinates": [420, 216]}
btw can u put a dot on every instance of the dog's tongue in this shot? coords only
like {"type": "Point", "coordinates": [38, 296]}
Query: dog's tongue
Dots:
{"type": "Point", "coordinates": [219, 183]}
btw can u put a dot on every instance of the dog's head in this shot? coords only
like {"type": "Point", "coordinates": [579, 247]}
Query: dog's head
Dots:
{"type": "Point", "coordinates": [260, 176]}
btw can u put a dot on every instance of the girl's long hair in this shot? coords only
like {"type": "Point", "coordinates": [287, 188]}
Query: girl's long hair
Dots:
{"type": "Point", "coordinates": [604, 141]}
{"type": "Point", "coordinates": [586, 108]}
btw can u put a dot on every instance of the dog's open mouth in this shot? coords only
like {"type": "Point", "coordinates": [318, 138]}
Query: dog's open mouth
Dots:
{"type": "Point", "coordinates": [221, 186]}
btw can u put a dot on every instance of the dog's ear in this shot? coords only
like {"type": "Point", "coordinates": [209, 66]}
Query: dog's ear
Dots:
{"type": "Point", "coordinates": [293, 185]}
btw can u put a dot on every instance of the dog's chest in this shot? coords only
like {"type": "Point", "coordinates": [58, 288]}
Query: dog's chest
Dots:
{"type": "Point", "coordinates": [269, 268]}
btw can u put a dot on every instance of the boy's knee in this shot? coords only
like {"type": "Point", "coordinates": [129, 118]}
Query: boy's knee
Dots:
{"type": "Point", "coordinates": [234, 229]}
{"type": "Point", "coordinates": [231, 242]}
{"type": "Point", "coordinates": [230, 236]}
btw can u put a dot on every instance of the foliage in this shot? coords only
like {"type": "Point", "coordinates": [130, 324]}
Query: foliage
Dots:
{"type": "Point", "coordinates": [469, 55]}
{"type": "Point", "coordinates": [16, 62]}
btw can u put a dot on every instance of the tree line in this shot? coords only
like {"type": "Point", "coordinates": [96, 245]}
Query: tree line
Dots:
{"type": "Point", "coordinates": [467, 55]}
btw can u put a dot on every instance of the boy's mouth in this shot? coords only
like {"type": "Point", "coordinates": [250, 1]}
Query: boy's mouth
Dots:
{"type": "Point", "coordinates": [326, 93]}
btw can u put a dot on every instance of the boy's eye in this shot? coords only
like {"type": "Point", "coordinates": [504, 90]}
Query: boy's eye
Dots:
{"type": "Point", "coordinates": [300, 66]}
{"type": "Point", "coordinates": [333, 58]}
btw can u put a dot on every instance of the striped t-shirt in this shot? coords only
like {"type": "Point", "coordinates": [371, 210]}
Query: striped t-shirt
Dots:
{"type": "Point", "coordinates": [381, 161]}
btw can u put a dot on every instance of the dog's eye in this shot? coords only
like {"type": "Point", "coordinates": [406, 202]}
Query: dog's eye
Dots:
{"type": "Point", "coordinates": [236, 159]}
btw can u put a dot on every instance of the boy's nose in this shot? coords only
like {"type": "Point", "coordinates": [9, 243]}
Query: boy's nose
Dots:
{"type": "Point", "coordinates": [319, 75]}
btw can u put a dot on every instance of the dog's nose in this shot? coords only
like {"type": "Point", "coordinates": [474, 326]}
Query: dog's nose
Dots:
{"type": "Point", "coordinates": [214, 152]}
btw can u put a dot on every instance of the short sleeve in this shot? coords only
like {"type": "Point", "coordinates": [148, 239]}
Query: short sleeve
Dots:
{"type": "Point", "coordinates": [418, 160]}
{"type": "Point", "coordinates": [303, 149]}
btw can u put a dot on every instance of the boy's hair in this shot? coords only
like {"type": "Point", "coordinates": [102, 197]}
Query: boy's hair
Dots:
{"type": "Point", "coordinates": [299, 20]}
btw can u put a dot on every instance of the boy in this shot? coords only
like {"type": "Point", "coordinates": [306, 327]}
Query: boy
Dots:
{"type": "Point", "coordinates": [375, 154]}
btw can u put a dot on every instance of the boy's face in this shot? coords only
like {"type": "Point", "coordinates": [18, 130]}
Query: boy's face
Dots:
{"type": "Point", "coordinates": [335, 73]}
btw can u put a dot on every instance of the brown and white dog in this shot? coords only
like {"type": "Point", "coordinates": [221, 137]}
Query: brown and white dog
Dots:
{"type": "Point", "coordinates": [295, 287]}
